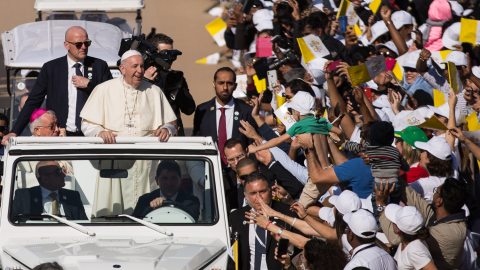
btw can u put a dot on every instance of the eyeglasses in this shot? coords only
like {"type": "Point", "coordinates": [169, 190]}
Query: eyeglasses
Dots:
{"type": "Point", "coordinates": [435, 189]}
{"type": "Point", "coordinates": [230, 160]}
{"type": "Point", "coordinates": [51, 127]}
{"type": "Point", "coordinates": [58, 171]}
{"type": "Point", "coordinates": [385, 54]}
{"type": "Point", "coordinates": [290, 111]}
{"type": "Point", "coordinates": [80, 44]}
{"type": "Point", "coordinates": [246, 176]}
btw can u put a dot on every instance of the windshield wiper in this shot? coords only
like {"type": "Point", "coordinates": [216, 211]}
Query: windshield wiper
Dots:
{"type": "Point", "coordinates": [149, 225]}
{"type": "Point", "coordinates": [74, 225]}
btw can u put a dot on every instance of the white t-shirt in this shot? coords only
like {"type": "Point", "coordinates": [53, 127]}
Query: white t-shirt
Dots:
{"type": "Point", "coordinates": [415, 256]}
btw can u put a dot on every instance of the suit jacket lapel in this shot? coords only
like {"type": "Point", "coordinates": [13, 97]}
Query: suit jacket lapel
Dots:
{"type": "Point", "coordinates": [237, 115]}
{"type": "Point", "coordinates": [63, 198]}
{"type": "Point", "coordinates": [211, 117]}
{"type": "Point", "coordinates": [63, 74]}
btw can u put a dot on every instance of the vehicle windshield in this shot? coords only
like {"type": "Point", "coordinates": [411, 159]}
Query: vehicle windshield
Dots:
{"type": "Point", "coordinates": [102, 191]}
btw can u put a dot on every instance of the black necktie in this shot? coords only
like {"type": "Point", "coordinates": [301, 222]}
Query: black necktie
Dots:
{"type": "Point", "coordinates": [81, 99]}
{"type": "Point", "coordinates": [259, 248]}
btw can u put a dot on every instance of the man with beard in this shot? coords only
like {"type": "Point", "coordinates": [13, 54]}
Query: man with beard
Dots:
{"type": "Point", "coordinates": [220, 117]}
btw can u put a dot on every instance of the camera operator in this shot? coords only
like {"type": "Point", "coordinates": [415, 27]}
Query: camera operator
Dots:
{"type": "Point", "coordinates": [180, 99]}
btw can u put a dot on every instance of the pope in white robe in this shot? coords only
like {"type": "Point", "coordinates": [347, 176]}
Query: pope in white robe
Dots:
{"type": "Point", "coordinates": [126, 106]}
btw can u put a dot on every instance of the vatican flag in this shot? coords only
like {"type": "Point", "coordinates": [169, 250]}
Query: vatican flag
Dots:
{"type": "Point", "coordinates": [472, 122]}
{"type": "Point", "coordinates": [374, 5]}
{"type": "Point", "coordinates": [312, 47]}
{"type": "Point", "coordinates": [469, 31]}
{"type": "Point", "coordinates": [455, 82]}
{"type": "Point", "coordinates": [366, 72]}
{"type": "Point", "coordinates": [346, 9]}
{"type": "Point", "coordinates": [439, 98]}
{"type": "Point", "coordinates": [209, 60]}
{"type": "Point", "coordinates": [217, 29]}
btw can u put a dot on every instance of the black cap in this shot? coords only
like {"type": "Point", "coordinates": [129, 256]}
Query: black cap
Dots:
{"type": "Point", "coordinates": [423, 98]}
{"type": "Point", "coordinates": [382, 134]}
{"type": "Point", "coordinates": [257, 3]}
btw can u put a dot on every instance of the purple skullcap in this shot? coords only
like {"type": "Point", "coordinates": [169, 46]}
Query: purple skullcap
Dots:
{"type": "Point", "coordinates": [36, 114]}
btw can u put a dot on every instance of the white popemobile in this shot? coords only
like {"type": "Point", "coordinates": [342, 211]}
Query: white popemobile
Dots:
{"type": "Point", "coordinates": [165, 238]}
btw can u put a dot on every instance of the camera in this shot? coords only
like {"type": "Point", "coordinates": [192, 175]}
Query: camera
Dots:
{"type": "Point", "coordinates": [262, 65]}
{"type": "Point", "coordinates": [281, 41]}
{"type": "Point", "coordinates": [289, 57]}
{"type": "Point", "coordinates": [170, 79]}
{"type": "Point", "coordinates": [284, 9]}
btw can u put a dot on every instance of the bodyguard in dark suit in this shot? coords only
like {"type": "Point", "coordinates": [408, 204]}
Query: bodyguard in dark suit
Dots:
{"type": "Point", "coordinates": [257, 185]}
{"type": "Point", "coordinates": [67, 82]}
{"type": "Point", "coordinates": [220, 117]}
{"type": "Point", "coordinates": [168, 177]}
{"type": "Point", "coordinates": [49, 197]}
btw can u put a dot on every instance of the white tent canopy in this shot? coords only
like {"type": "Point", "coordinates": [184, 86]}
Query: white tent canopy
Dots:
{"type": "Point", "coordinates": [70, 5]}
{"type": "Point", "coordinates": [33, 44]}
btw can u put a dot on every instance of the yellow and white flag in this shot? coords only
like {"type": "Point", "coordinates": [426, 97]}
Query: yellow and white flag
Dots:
{"type": "Point", "coordinates": [469, 31]}
{"type": "Point", "coordinates": [217, 29]}
{"type": "Point", "coordinates": [454, 77]}
{"type": "Point", "coordinates": [346, 9]}
{"type": "Point", "coordinates": [212, 59]}
{"type": "Point", "coordinates": [439, 98]}
{"type": "Point", "coordinates": [366, 72]}
{"type": "Point", "coordinates": [374, 5]}
{"type": "Point", "coordinates": [312, 47]}
{"type": "Point", "coordinates": [233, 253]}
{"type": "Point", "coordinates": [472, 122]}
{"type": "Point", "coordinates": [260, 85]}
{"type": "Point", "coordinates": [440, 56]}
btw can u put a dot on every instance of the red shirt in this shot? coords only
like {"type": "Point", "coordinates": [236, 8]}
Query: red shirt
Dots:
{"type": "Point", "coordinates": [416, 172]}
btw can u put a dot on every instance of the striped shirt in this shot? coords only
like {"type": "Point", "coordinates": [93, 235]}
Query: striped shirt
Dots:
{"type": "Point", "coordinates": [381, 157]}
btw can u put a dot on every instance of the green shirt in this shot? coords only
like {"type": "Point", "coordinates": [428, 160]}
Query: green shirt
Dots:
{"type": "Point", "coordinates": [310, 125]}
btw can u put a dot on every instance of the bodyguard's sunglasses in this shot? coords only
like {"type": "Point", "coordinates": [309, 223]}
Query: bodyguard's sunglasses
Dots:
{"type": "Point", "coordinates": [79, 44]}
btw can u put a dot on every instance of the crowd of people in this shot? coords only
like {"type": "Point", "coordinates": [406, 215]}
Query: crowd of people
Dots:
{"type": "Point", "coordinates": [357, 181]}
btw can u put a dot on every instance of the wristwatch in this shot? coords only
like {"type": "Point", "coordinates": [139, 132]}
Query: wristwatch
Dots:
{"type": "Point", "coordinates": [380, 208]}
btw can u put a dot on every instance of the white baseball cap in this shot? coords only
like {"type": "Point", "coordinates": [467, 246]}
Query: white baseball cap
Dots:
{"type": "Point", "coordinates": [407, 218]}
{"type": "Point", "coordinates": [303, 102]}
{"type": "Point", "coordinates": [378, 29]}
{"type": "Point", "coordinates": [457, 9]}
{"type": "Point", "coordinates": [382, 102]}
{"type": "Point", "coordinates": [389, 45]}
{"type": "Point", "coordinates": [451, 35]}
{"type": "Point", "coordinates": [262, 15]}
{"type": "Point", "coordinates": [458, 58]}
{"type": "Point", "coordinates": [401, 18]}
{"type": "Point", "coordinates": [326, 213]}
{"type": "Point", "coordinates": [438, 147]}
{"type": "Point", "coordinates": [263, 25]}
{"type": "Point", "coordinates": [367, 204]}
{"type": "Point", "coordinates": [425, 112]}
{"type": "Point", "coordinates": [444, 110]}
{"type": "Point", "coordinates": [346, 202]}
{"type": "Point", "coordinates": [476, 71]}
{"type": "Point", "coordinates": [361, 223]}
{"type": "Point", "coordinates": [411, 59]}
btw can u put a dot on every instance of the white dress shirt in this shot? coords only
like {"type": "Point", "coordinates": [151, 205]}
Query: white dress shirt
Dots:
{"type": "Point", "coordinates": [229, 108]}
{"type": "Point", "coordinates": [47, 201]}
{"type": "Point", "coordinates": [251, 243]}
{"type": "Point", "coordinates": [173, 198]}
{"type": "Point", "coordinates": [72, 95]}
{"type": "Point", "coordinates": [374, 258]}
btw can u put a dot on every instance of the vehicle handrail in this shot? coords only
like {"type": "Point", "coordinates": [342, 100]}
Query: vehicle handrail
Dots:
{"type": "Point", "coordinates": [98, 140]}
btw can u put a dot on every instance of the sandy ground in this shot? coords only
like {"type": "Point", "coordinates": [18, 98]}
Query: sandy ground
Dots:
{"type": "Point", "coordinates": [184, 21]}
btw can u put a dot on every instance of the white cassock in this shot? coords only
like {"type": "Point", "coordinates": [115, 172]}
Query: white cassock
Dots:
{"type": "Point", "coordinates": [144, 110]}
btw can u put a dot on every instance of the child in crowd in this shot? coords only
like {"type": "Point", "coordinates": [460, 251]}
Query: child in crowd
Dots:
{"type": "Point", "coordinates": [385, 160]}
{"type": "Point", "coordinates": [302, 108]}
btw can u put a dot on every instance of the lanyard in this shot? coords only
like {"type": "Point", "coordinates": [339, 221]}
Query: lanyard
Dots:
{"type": "Point", "coordinates": [362, 249]}
{"type": "Point", "coordinates": [258, 238]}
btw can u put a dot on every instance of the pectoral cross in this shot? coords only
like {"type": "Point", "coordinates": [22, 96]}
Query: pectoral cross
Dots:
{"type": "Point", "coordinates": [129, 125]}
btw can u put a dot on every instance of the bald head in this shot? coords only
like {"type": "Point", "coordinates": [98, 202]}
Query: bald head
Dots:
{"type": "Point", "coordinates": [76, 43]}
{"type": "Point", "coordinates": [244, 162]}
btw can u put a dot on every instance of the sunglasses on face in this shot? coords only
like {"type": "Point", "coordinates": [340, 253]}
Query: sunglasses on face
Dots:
{"type": "Point", "coordinates": [385, 54]}
{"type": "Point", "coordinates": [80, 44]}
{"type": "Point", "coordinates": [290, 111]}
{"type": "Point", "coordinates": [57, 171]}
{"type": "Point", "coordinates": [3, 129]}
{"type": "Point", "coordinates": [246, 176]}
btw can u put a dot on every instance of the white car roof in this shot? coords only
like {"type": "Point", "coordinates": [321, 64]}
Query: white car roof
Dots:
{"type": "Point", "coordinates": [31, 45]}
{"type": "Point", "coordinates": [62, 5]}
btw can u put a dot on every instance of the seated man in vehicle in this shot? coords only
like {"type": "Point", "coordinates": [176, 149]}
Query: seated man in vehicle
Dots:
{"type": "Point", "coordinates": [168, 178]}
{"type": "Point", "coordinates": [49, 197]}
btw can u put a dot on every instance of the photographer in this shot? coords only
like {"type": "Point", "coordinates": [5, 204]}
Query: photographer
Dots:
{"type": "Point", "coordinates": [180, 99]}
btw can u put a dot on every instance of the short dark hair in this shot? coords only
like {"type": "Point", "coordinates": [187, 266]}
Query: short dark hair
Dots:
{"type": "Point", "coordinates": [365, 133]}
{"type": "Point", "coordinates": [313, 21]}
{"type": "Point", "coordinates": [169, 166]}
{"type": "Point", "coordinates": [454, 194]}
{"type": "Point", "coordinates": [255, 177]}
{"type": "Point", "coordinates": [160, 39]}
{"type": "Point", "coordinates": [244, 162]}
{"type": "Point", "coordinates": [363, 240]}
{"type": "Point", "coordinates": [230, 143]}
{"type": "Point", "coordinates": [225, 69]}
{"type": "Point", "coordinates": [299, 85]}
{"type": "Point", "coordinates": [438, 167]}
{"type": "Point", "coordinates": [267, 31]}
{"type": "Point", "coordinates": [48, 266]}
{"type": "Point", "coordinates": [421, 234]}
{"type": "Point", "coordinates": [4, 118]}
{"type": "Point", "coordinates": [324, 255]}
